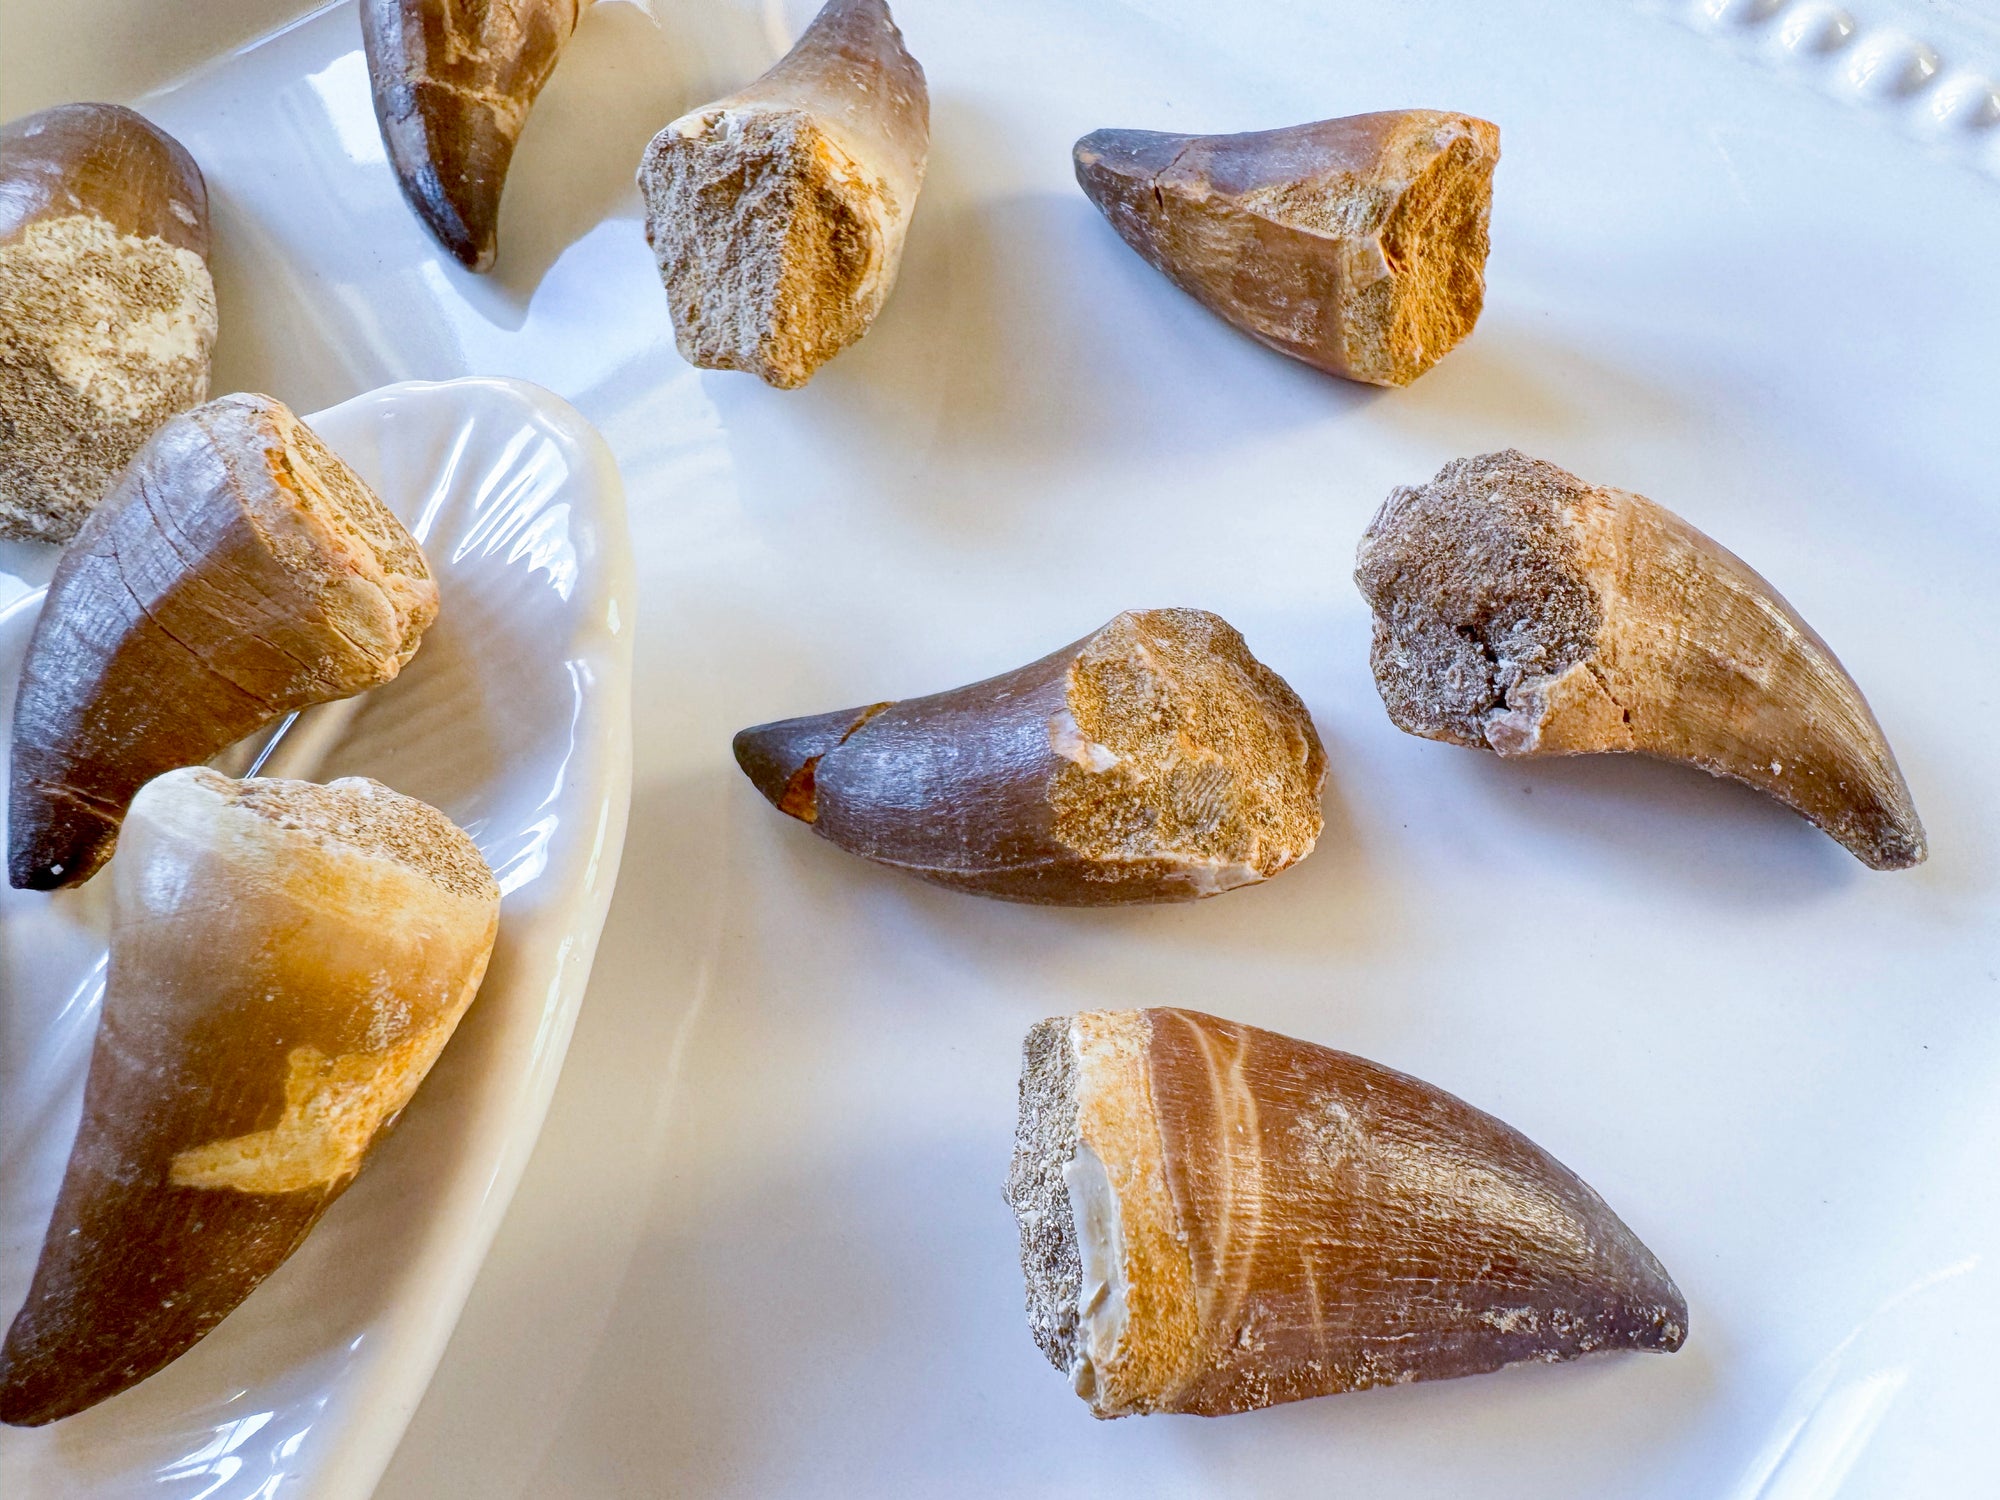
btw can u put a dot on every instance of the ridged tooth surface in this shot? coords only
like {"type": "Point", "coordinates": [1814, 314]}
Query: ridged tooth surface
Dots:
{"type": "Point", "coordinates": [1216, 1218]}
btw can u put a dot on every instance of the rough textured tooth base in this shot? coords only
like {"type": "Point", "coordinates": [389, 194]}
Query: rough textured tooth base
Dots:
{"type": "Point", "coordinates": [778, 215]}
{"type": "Point", "coordinates": [287, 960]}
{"type": "Point", "coordinates": [1215, 1218]}
{"type": "Point", "coordinates": [107, 310]}
{"type": "Point", "coordinates": [453, 82]}
{"type": "Point", "coordinates": [1520, 610]}
{"type": "Point", "coordinates": [238, 571]}
{"type": "Point", "coordinates": [1357, 245]}
{"type": "Point", "coordinates": [1154, 760]}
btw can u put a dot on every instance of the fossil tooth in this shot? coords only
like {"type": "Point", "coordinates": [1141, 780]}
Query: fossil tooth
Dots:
{"type": "Point", "coordinates": [107, 310]}
{"type": "Point", "coordinates": [236, 572]}
{"type": "Point", "coordinates": [453, 82]}
{"type": "Point", "coordinates": [1520, 610]}
{"type": "Point", "coordinates": [1156, 759]}
{"type": "Point", "coordinates": [287, 960]}
{"type": "Point", "coordinates": [1215, 1218]}
{"type": "Point", "coordinates": [778, 214]}
{"type": "Point", "coordinates": [1357, 245]}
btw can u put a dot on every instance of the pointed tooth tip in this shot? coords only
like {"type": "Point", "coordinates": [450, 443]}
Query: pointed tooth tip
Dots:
{"type": "Point", "coordinates": [779, 758]}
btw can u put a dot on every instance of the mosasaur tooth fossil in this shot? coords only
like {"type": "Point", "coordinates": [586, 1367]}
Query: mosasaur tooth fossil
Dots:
{"type": "Point", "coordinates": [1520, 610]}
{"type": "Point", "coordinates": [287, 961]}
{"type": "Point", "coordinates": [1156, 759]}
{"type": "Point", "coordinates": [453, 82]}
{"type": "Point", "coordinates": [237, 571]}
{"type": "Point", "coordinates": [778, 214]}
{"type": "Point", "coordinates": [1357, 245]}
{"type": "Point", "coordinates": [1215, 1218]}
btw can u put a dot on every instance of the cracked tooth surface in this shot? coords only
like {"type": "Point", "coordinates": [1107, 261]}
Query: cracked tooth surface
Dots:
{"type": "Point", "coordinates": [237, 571]}
{"type": "Point", "coordinates": [1215, 1218]}
{"type": "Point", "coordinates": [1520, 610]}
{"type": "Point", "coordinates": [1154, 760]}
{"type": "Point", "coordinates": [453, 82]}
{"type": "Point", "coordinates": [1357, 245]}
{"type": "Point", "coordinates": [287, 960]}
{"type": "Point", "coordinates": [777, 215]}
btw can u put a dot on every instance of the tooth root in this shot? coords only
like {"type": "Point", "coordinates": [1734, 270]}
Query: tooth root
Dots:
{"type": "Point", "coordinates": [286, 962]}
{"type": "Point", "coordinates": [1154, 760]}
{"type": "Point", "coordinates": [107, 309]}
{"type": "Point", "coordinates": [1357, 245]}
{"type": "Point", "coordinates": [778, 214]}
{"type": "Point", "coordinates": [1277, 1220]}
{"type": "Point", "coordinates": [1520, 610]}
{"type": "Point", "coordinates": [453, 83]}
{"type": "Point", "coordinates": [238, 571]}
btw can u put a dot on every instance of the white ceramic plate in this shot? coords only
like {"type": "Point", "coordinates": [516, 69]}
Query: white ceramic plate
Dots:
{"type": "Point", "coordinates": [1740, 264]}
{"type": "Point", "coordinates": [514, 719]}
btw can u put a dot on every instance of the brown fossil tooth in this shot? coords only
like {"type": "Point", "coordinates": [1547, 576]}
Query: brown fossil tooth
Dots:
{"type": "Point", "coordinates": [237, 571]}
{"type": "Point", "coordinates": [1357, 245]}
{"type": "Point", "coordinates": [1520, 610]}
{"type": "Point", "coordinates": [287, 960]}
{"type": "Point", "coordinates": [1156, 759]}
{"type": "Point", "coordinates": [1215, 1218]}
{"type": "Point", "coordinates": [107, 310]}
{"type": "Point", "coordinates": [778, 214]}
{"type": "Point", "coordinates": [453, 82]}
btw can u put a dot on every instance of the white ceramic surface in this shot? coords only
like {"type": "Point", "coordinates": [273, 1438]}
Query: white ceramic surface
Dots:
{"type": "Point", "coordinates": [760, 1250]}
{"type": "Point", "coordinates": [515, 719]}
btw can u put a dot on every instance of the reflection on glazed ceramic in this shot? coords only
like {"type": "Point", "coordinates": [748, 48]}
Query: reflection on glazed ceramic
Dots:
{"type": "Point", "coordinates": [513, 720]}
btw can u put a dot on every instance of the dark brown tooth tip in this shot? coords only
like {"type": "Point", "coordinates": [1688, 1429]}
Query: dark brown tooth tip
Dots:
{"type": "Point", "coordinates": [1357, 245]}
{"type": "Point", "coordinates": [1523, 611]}
{"type": "Point", "coordinates": [453, 86]}
{"type": "Point", "coordinates": [237, 571]}
{"type": "Point", "coordinates": [1215, 1218]}
{"type": "Point", "coordinates": [1154, 760]}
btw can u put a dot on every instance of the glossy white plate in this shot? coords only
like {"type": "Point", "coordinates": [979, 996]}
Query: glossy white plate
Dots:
{"type": "Point", "coordinates": [514, 718]}
{"type": "Point", "coordinates": [1742, 263]}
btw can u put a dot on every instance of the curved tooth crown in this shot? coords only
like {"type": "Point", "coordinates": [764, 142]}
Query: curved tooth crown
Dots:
{"type": "Point", "coordinates": [1215, 1218]}
{"type": "Point", "coordinates": [237, 572]}
{"type": "Point", "coordinates": [1357, 245]}
{"type": "Point", "coordinates": [778, 214]}
{"type": "Point", "coordinates": [107, 309]}
{"type": "Point", "coordinates": [453, 82]}
{"type": "Point", "coordinates": [1520, 610]}
{"type": "Point", "coordinates": [287, 960]}
{"type": "Point", "coordinates": [1154, 760]}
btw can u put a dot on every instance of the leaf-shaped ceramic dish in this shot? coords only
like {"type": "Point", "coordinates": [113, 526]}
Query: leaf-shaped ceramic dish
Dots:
{"type": "Point", "coordinates": [515, 719]}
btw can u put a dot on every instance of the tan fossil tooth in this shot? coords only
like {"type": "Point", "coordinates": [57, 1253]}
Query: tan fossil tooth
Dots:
{"type": "Point", "coordinates": [236, 572]}
{"type": "Point", "coordinates": [778, 214]}
{"type": "Point", "coordinates": [107, 310]}
{"type": "Point", "coordinates": [1520, 610]}
{"type": "Point", "coordinates": [1156, 759]}
{"type": "Point", "coordinates": [1357, 245]}
{"type": "Point", "coordinates": [453, 82]}
{"type": "Point", "coordinates": [287, 960]}
{"type": "Point", "coordinates": [1215, 1218]}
